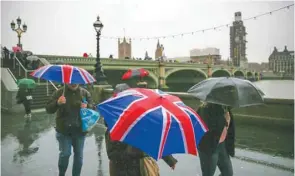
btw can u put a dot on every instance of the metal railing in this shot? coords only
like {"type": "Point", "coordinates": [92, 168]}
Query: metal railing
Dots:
{"type": "Point", "coordinates": [13, 77]}
{"type": "Point", "coordinates": [21, 66]}
{"type": "Point", "coordinates": [29, 71]}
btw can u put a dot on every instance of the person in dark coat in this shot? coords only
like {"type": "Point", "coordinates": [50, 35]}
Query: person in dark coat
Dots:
{"type": "Point", "coordinates": [217, 145]}
{"type": "Point", "coordinates": [24, 96]}
{"type": "Point", "coordinates": [126, 160]}
{"type": "Point", "coordinates": [67, 102]}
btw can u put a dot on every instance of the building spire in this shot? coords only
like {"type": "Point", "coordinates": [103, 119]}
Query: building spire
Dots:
{"type": "Point", "coordinates": [124, 39]}
{"type": "Point", "coordinates": [158, 44]}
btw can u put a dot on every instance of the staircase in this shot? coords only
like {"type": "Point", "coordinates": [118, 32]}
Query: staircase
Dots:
{"type": "Point", "coordinates": [41, 95]}
{"type": "Point", "coordinates": [44, 89]}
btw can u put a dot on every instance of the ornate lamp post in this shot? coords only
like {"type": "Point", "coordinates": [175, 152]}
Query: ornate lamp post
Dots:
{"type": "Point", "coordinates": [99, 75]}
{"type": "Point", "coordinates": [19, 30]}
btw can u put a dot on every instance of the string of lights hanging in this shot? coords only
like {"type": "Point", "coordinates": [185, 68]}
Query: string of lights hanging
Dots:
{"type": "Point", "coordinates": [202, 30]}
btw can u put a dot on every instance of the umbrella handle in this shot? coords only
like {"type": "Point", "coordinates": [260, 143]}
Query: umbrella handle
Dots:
{"type": "Point", "coordinates": [63, 92]}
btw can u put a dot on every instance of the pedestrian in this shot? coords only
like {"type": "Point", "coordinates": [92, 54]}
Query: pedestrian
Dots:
{"type": "Point", "coordinates": [67, 102]}
{"type": "Point", "coordinates": [217, 145]}
{"type": "Point", "coordinates": [24, 96]}
{"type": "Point", "coordinates": [126, 160]}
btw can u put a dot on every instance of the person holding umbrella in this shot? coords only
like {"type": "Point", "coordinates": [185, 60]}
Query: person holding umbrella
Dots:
{"type": "Point", "coordinates": [217, 145]}
{"type": "Point", "coordinates": [220, 95]}
{"type": "Point", "coordinates": [67, 102]}
{"type": "Point", "coordinates": [127, 160]}
{"type": "Point", "coordinates": [24, 95]}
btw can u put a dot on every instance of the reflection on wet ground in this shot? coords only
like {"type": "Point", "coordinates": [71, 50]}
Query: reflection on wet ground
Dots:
{"type": "Point", "coordinates": [31, 149]}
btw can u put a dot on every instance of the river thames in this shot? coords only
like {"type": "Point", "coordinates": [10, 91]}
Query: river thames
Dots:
{"type": "Point", "coordinates": [30, 149]}
{"type": "Point", "coordinates": [277, 88]}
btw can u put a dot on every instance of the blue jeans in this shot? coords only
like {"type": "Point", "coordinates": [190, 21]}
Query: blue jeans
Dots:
{"type": "Point", "coordinates": [219, 158]}
{"type": "Point", "coordinates": [65, 146]}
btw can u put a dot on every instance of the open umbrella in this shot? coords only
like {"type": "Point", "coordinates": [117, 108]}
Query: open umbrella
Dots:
{"type": "Point", "coordinates": [33, 58]}
{"type": "Point", "coordinates": [141, 72]}
{"type": "Point", "coordinates": [26, 83]}
{"type": "Point", "coordinates": [228, 91]}
{"type": "Point", "coordinates": [67, 74]}
{"type": "Point", "coordinates": [158, 123]}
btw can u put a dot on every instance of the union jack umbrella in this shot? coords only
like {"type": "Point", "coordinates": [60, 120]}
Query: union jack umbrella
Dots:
{"type": "Point", "coordinates": [158, 123]}
{"type": "Point", "coordinates": [135, 73]}
{"type": "Point", "coordinates": [64, 74]}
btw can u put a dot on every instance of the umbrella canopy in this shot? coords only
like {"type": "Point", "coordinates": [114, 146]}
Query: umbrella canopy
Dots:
{"type": "Point", "coordinates": [26, 83]}
{"type": "Point", "coordinates": [135, 73]}
{"type": "Point", "coordinates": [155, 122]}
{"type": "Point", "coordinates": [85, 55]}
{"type": "Point", "coordinates": [64, 74]}
{"type": "Point", "coordinates": [33, 58]}
{"type": "Point", "coordinates": [228, 91]}
{"type": "Point", "coordinates": [16, 49]}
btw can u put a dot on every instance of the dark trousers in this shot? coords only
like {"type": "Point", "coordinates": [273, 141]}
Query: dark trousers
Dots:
{"type": "Point", "coordinates": [27, 105]}
{"type": "Point", "coordinates": [218, 158]}
{"type": "Point", "coordinates": [65, 146]}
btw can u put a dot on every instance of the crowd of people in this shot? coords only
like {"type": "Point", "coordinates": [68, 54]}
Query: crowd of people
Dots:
{"type": "Point", "coordinates": [215, 148]}
{"type": "Point", "coordinates": [22, 57]}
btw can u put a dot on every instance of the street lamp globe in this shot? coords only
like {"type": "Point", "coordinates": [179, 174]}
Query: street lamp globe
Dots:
{"type": "Point", "coordinates": [25, 27]}
{"type": "Point", "coordinates": [97, 25]}
{"type": "Point", "coordinates": [18, 21]}
{"type": "Point", "coordinates": [12, 24]}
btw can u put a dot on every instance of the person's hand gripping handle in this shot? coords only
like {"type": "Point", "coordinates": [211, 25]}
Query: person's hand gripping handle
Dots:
{"type": "Point", "coordinates": [61, 100]}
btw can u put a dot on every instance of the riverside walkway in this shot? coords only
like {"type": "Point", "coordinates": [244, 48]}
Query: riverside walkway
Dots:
{"type": "Point", "coordinates": [31, 149]}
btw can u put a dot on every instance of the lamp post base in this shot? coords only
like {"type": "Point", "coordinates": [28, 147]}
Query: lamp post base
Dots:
{"type": "Point", "coordinates": [100, 93]}
{"type": "Point", "coordinates": [101, 79]}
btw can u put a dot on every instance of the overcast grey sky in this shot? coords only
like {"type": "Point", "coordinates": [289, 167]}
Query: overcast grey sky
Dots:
{"type": "Point", "coordinates": [66, 27]}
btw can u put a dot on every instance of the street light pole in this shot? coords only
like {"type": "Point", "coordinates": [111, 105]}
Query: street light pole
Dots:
{"type": "Point", "coordinates": [99, 75]}
{"type": "Point", "coordinates": [19, 30]}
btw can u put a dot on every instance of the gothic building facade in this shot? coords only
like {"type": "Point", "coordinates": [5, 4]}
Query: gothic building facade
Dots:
{"type": "Point", "coordinates": [159, 53]}
{"type": "Point", "coordinates": [282, 61]}
{"type": "Point", "coordinates": [124, 49]}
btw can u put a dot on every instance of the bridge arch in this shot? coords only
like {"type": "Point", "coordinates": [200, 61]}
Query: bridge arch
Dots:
{"type": "Point", "coordinates": [239, 73]}
{"type": "Point", "coordinates": [249, 74]}
{"type": "Point", "coordinates": [185, 69]}
{"type": "Point", "coordinates": [181, 79]}
{"type": "Point", "coordinates": [221, 73]}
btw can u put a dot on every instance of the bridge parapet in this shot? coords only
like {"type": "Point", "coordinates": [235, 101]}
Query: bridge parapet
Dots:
{"type": "Point", "coordinates": [106, 61]}
{"type": "Point", "coordinates": [159, 71]}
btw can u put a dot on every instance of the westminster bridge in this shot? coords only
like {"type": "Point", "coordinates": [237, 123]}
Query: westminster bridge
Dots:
{"type": "Point", "coordinates": [178, 76]}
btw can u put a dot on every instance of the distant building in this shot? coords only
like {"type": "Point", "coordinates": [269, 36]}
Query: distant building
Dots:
{"type": "Point", "coordinates": [282, 61]}
{"type": "Point", "coordinates": [254, 66]}
{"type": "Point", "coordinates": [264, 66]}
{"type": "Point", "coordinates": [257, 67]}
{"type": "Point", "coordinates": [238, 42]}
{"type": "Point", "coordinates": [159, 53]}
{"type": "Point", "coordinates": [146, 56]}
{"type": "Point", "coordinates": [124, 49]}
{"type": "Point", "coordinates": [203, 55]}
{"type": "Point", "coordinates": [180, 59]}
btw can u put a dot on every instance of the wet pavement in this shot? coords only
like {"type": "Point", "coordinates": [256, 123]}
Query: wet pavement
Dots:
{"type": "Point", "coordinates": [31, 149]}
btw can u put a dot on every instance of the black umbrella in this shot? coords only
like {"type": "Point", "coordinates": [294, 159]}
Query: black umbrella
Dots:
{"type": "Point", "coordinates": [228, 91]}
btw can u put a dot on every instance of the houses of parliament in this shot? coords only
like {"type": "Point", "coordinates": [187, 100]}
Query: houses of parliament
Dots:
{"type": "Point", "coordinates": [125, 50]}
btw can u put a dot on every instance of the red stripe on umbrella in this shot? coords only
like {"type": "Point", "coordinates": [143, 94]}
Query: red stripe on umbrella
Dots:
{"type": "Point", "coordinates": [135, 73]}
{"type": "Point", "coordinates": [67, 72]}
